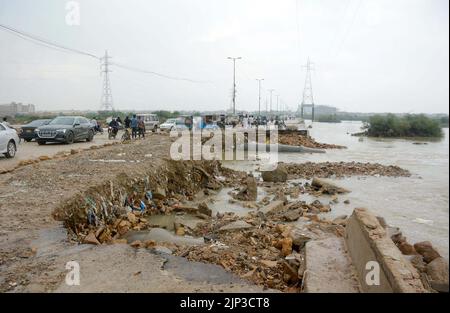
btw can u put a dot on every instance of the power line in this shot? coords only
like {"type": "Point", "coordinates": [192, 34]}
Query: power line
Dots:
{"type": "Point", "coordinates": [355, 13]}
{"type": "Point", "coordinates": [134, 69]}
{"type": "Point", "coordinates": [52, 45]}
{"type": "Point", "coordinates": [38, 40]}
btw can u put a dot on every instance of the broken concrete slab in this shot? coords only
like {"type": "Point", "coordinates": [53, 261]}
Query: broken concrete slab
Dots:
{"type": "Point", "coordinates": [328, 267]}
{"type": "Point", "coordinates": [370, 248]}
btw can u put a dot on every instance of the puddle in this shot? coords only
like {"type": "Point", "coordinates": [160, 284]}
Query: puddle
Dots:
{"type": "Point", "coordinates": [222, 205]}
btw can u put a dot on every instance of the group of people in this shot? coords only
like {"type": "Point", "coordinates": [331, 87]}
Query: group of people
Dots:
{"type": "Point", "coordinates": [136, 124]}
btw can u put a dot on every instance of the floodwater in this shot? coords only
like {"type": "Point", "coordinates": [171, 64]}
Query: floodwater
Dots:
{"type": "Point", "coordinates": [419, 205]}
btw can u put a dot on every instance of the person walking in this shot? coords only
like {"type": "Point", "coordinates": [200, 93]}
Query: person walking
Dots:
{"type": "Point", "coordinates": [141, 126]}
{"type": "Point", "coordinates": [134, 127]}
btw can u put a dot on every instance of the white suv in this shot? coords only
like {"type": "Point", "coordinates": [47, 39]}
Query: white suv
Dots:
{"type": "Point", "coordinates": [8, 141]}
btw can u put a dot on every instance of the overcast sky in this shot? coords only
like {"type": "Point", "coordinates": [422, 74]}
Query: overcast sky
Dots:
{"type": "Point", "coordinates": [369, 55]}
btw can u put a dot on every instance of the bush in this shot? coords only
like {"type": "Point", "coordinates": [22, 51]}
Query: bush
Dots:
{"type": "Point", "coordinates": [406, 126]}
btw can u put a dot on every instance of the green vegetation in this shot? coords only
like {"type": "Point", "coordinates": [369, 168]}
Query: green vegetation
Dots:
{"type": "Point", "coordinates": [407, 126]}
{"type": "Point", "coordinates": [332, 118]}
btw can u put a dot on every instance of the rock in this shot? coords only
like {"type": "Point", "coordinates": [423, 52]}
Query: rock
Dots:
{"type": "Point", "coordinates": [237, 225]}
{"type": "Point", "coordinates": [149, 244]}
{"type": "Point", "coordinates": [119, 241]}
{"type": "Point", "coordinates": [91, 239]}
{"type": "Point", "coordinates": [268, 263]}
{"type": "Point", "coordinates": [179, 229]}
{"type": "Point", "coordinates": [159, 193]}
{"type": "Point", "coordinates": [204, 209]}
{"type": "Point", "coordinates": [279, 175]}
{"type": "Point", "coordinates": [417, 261]}
{"type": "Point", "coordinates": [340, 220]}
{"type": "Point", "coordinates": [136, 244]}
{"type": "Point", "coordinates": [73, 151]}
{"type": "Point", "coordinates": [425, 248]}
{"type": "Point", "coordinates": [347, 201]}
{"type": "Point", "coordinates": [161, 249]}
{"type": "Point", "coordinates": [406, 248]}
{"type": "Point", "coordinates": [437, 271]}
{"type": "Point", "coordinates": [132, 218]}
{"type": "Point", "coordinates": [327, 187]}
{"type": "Point", "coordinates": [285, 245]}
{"type": "Point", "coordinates": [249, 192]}
{"type": "Point", "coordinates": [292, 215]}
{"type": "Point", "coordinates": [272, 207]}
{"type": "Point", "coordinates": [44, 158]}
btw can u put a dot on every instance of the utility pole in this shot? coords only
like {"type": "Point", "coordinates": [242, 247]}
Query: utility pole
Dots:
{"type": "Point", "coordinates": [234, 82]}
{"type": "Point", "coordinates": [271, 92]}
{"type": "Point", "coordinates": [278, 99]}
{"type": "Point", "coordinates": [106, 101]}
{"type": "Point", "coordinates": [308, 99]}
{"type": "Point", "coordinates": [259, 96]}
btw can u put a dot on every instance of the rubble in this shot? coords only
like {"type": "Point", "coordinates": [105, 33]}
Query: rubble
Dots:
{"type": "Point", "coordinates": [249, 191]}
{"type": "Point", "coordinates": [280, 174]}
{"type": "Point", "coordinates": [308, 170]}
{"type": "Point", "coordinates": [426, 249]}
{"type": "Point", "coordinates": [294, 139]}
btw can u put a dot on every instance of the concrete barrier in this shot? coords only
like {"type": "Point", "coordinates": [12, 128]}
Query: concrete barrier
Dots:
{"type": "Point", "coordinates": [380, 265]}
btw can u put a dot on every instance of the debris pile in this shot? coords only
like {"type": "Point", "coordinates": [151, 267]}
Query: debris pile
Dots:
{"type": "Point", "coordinates": [294, 139]}
{"type": "Point", "coordinates": [108, 211]}
{"type": "Point", "coordinates": [309, 170]}
{"type": "Point", "coordinates": [254, 249]}
{"type": "Point", "coordinates": [432, 267]}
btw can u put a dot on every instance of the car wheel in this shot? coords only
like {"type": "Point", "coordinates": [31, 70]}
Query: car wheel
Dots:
{"type": "Point", "coordinates": [10, 149]}
{"type": "Point", "coordinates": [69, 138]}
{"type": "Point", "coordinates": [90, 136]}
{"type": "Point", "coordinates": [41, 142]}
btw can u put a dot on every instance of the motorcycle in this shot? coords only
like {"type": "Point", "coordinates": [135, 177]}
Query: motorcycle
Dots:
{"type": "Point", "coordinates": [112, 132]}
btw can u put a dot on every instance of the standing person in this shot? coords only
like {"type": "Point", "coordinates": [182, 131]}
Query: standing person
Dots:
{"type": "Point", "coordinates": [141, 126]}
{"type": "Point", "coordinates": [134, 127]}
{"type": "Point", "coordinates": [5, 122]}
{"type": "Point", "coordinates": [127, 122]}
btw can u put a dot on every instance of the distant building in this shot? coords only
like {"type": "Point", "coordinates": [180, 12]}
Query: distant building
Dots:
{"type": "Point", "coordinates": [16, 108]}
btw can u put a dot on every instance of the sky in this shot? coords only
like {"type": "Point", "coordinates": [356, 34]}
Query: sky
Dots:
{"type": "Point", "coordinates": [368, 55]}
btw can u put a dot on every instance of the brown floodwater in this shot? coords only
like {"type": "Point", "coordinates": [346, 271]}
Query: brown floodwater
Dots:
{"type": "Point", "coordinates": [419, 204]}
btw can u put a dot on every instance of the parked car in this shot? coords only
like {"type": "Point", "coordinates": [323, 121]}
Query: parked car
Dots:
{"type": "Point", "coordinates": [151, 121]}
{"type": "Point", "coordinates": [66, 129]}
{"type": "Point", "coordinates": [168, 125]}
{"type": "Point", "coordinates": [27, 131]}
{"type": "Point", "coordinates": [9, 141]}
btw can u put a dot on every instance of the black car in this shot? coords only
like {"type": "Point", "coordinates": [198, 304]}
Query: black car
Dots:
{"type": "Point", "coordinates": [66, 129]}
{"type": "Point", "coordinates": [28, 132]}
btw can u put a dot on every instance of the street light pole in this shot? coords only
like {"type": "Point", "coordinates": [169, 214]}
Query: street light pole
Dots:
{"type": "Point", "coordinates": [278, 98]}
{"type": "Point", "coordinates": [271, 91]}
{"type": "Point", "coordinates": [234, 82]}
{"type": "Point", "coordinates": [259, 96]}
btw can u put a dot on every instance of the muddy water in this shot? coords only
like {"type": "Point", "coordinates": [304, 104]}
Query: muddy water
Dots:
{"type": "Point", "coordinates": [419, 205]}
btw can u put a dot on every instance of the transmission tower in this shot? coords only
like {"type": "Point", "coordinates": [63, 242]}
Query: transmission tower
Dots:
{"type": "Point", "coordinates": [308, 99]}
{"type": "Point", "coordinates": [107, 101]}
